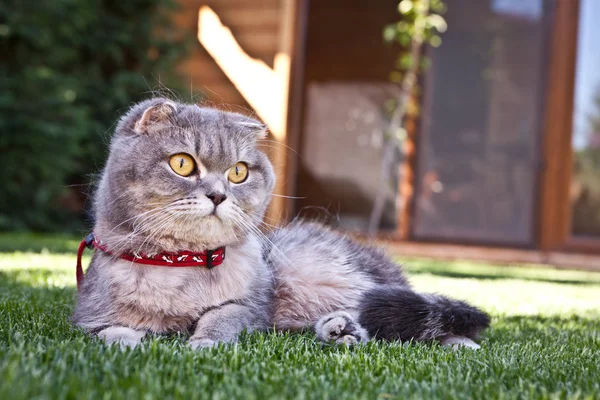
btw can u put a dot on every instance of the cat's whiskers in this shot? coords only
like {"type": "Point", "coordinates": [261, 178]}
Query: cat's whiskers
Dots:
{"type": "Point", "coordinates": [266, 146]}
{"type": "Point", "coordinates": [266, 243]}
{"type": "Point", "coordinates": [123, 243]}
{"type": "Point", "coordinates": [145, 225]}
{"type": "Point", "coordinates": [238, 223]}
{"type": "Point", "coordinates": [269, 227]}
{"type": "Point", "coordinates": [270, 219]}
{"type": "Point", "coordinates": [288, 197]}
{"type": "Point", "coordinates": [264, 239]}
{"type": "Point", "coordinates": [158, 228]}
{"type": "Point", "coordinates": [175, 211]}
{"type": "Point", "coordinates": [183, 226]}
{"type": "Point", "coordinates": [262, 141]}
{"type": "Point", "coordinates": [136, 217]}
{"type": "Point", "coordinates": [117, 198]}
{"type": "Point", "coordinates": [149, 220]}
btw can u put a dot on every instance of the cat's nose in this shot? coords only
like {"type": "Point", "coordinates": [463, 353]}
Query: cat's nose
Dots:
{"type": "Point", "coordinates": [216, 197]}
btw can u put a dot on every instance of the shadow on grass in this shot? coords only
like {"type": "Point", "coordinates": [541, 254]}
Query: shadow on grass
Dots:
{"type": "Point", "coordinates": [37, 243]}
{"type": "Point", "coordinates": [39, 277]}
{"type": "Point", "coordinates": [439, 271]}
{"type": "Point", "coordinates": [11, 283]}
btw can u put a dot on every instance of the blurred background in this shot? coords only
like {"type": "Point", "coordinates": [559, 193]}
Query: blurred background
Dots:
{"type": "Point", "coordinates": [471, 124]}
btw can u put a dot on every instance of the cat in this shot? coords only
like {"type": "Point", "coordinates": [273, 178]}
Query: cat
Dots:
{"type": "Point", "coordinates": [183, 178]}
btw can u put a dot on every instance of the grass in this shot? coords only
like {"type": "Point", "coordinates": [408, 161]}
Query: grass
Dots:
{"type": "Point", "coordinates": [544, 343]}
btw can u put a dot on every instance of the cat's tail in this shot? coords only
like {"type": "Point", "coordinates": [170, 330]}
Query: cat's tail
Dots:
{"type": "Point", "coordinates": [395, 313]}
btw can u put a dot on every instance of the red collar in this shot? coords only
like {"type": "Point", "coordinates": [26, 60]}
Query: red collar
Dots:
{"type": "Point", "coordinates": [208, 259]}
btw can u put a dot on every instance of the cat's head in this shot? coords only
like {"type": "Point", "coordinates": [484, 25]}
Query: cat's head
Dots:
{"type": "Point", "coordinates": [183, 176]}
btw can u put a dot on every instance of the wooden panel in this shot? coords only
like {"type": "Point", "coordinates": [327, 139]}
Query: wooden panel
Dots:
{"type": "Point", "coordinates": [345, 40]}
{"type": "Point", "coordinates": [223, 95]}
{"type": "Point", "coordinates": [255, 25]}
{"type": "Point", "coordinates": [293, 42]}
{"type": "Point", "coordinates": [202, 67]}
{"type": "Point", "coordinates": [583, 244]}
{"type": "Point", "coordinates": [266, 19]}
{"type": "Point", "coordinates": [555, 207]}
{"type": "Point", "coordinates": [247, 15]}
{"type": "Point", "coordinates": [231, 3]}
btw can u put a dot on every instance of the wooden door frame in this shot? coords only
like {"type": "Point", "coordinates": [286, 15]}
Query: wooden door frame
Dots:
{"type": "Point", "coordinates": [293, 38]}
{"type": "Point", "coordinates": [554, 216]}
{"type": "Point", "coordinates": [554, 228]}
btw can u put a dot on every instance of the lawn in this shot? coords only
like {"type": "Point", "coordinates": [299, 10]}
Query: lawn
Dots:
{"type": "Point", "coordinates": [544, 343]}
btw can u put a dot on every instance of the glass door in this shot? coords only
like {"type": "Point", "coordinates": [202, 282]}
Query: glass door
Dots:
{"type": "Point", "coordinates": [479, 147]}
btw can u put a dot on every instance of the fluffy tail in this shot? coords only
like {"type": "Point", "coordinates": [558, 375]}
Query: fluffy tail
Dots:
{"type": "Point", "coordinates": [400, 314]}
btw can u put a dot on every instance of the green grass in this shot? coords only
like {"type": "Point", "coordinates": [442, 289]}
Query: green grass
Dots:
{"type": "Point", "coordinates": [544, 343]}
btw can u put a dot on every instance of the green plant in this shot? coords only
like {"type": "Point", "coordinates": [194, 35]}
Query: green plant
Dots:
{"type": "Point", "coordinates": [71, 67]}
{"type": "Point", "coordinates": [420, 24]}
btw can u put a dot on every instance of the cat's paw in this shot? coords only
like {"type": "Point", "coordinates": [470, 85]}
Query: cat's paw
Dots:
{"type": "Point", "coordinates": [125, 337]}
{"type": "Point", "coordinates": [202, 343]}
{"type": "Point", "coordinates": [457, 342]}
{"type": "Point", "coordinates": [341, 328]}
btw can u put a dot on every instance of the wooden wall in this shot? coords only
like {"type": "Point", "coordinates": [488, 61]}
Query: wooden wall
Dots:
{"type": "Point", "coordinates": [254, 23]}
{"type": "Point", "coordinates": [345, 40]}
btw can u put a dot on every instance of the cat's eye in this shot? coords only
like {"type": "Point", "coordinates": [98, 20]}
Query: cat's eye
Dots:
{"type": "Point", "coordinates": [238, 173]}
{"type": "Point", "coordinates": [182, 164]}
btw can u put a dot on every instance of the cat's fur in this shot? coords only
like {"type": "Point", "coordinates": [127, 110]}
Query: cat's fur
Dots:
{"type": "Point", "coordinates": [298, 276]}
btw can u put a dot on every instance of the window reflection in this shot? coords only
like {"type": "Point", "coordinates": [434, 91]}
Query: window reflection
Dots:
{"type": "Point", "coordinates": [341, 153]}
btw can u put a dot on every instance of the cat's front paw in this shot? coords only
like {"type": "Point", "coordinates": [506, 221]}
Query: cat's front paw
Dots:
{"type": "Point", "coordinates": [199, 343]}
{"type": "Point", "coordinates": [125, 337]}
{"type": "Point", "coordinates": [341, 328]}
{"type": "Point", "coordinates": [458, 342]}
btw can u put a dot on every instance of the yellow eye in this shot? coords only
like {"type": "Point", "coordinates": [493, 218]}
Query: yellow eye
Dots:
{"type": "Point", "coordinates": [238, 173]}
{"type": "Point", "coordinates": [182, 164]}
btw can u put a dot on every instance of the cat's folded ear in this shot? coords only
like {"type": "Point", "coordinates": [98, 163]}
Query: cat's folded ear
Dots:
{"type": "Point", "coordinates": [147, 116]}
{"type": "Point", "coordinates": [154, 116]}
{"type": "Point", "coordinates": [251, 126]}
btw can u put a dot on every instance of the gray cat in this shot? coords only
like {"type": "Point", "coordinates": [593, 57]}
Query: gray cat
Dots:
{"type": "Point", "coordinates": [184, 178]}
